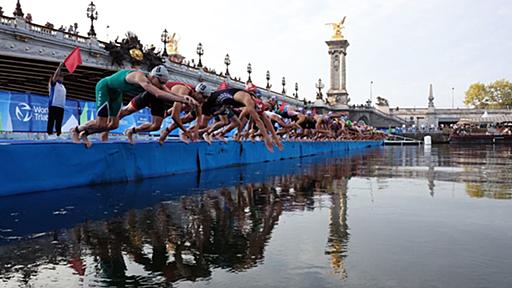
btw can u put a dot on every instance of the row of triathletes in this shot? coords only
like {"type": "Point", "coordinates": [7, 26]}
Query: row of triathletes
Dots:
{"type": "Point", "coordinates": [231, 108]}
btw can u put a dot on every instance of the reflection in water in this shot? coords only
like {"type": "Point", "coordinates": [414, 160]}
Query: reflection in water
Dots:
{"type": "Point", "coordinates": [338, 229]}
{"type": "Point", "coordinates": [185, 239]}
{"type": "Point", "coordinates": [486, 170]}
{"type": "Point", "coordinates": [228, 227]}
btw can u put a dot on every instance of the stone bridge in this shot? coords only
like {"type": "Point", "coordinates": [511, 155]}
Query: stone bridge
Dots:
{"type": "Point", "coordinates": [366, 114]}
{"type": "Point", "coordinates": [446, 116]}
{"type": "Point", "coordinates": [374, 117]}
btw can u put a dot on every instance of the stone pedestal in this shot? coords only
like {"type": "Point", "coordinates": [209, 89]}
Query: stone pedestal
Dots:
{"type": "Point", "coordinates": [338, 86]}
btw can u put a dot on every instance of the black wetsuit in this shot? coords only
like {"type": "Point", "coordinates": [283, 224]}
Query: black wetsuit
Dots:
{"type": "Point", "coordinates": [335, 126]}
{"type": "Point", "coordinates": [327, 122]}
{"type": "Point", "coordinates": [220, 99]}
{"type": "Point", "coordinates": [285, 114]}
{"type": "Point", "coordinates": [228, 111]}
{"type": "Point", "coordinates": [147, 99]}
{"type": "Point", "coordinates": [294, 117]}
{"type": "Point", "coordinates": [309, 123]}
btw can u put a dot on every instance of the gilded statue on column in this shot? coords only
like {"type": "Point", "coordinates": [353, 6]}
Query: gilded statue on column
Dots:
{"type": "Point", "coordinates": [337, 27]}
{"type": "Point", "coordinates": [172, 44]}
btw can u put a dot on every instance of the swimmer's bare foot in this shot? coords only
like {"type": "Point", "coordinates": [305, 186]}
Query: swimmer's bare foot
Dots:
{"type": "Point", "coordinates": [221, 138]}
{"type": "Point", "coordinates": [268, 144]}
{"type": "Point", "coordinates": [85, 140]}
{"type": "Point", "coordinates": [193, 135]}
{"type": "Point", "coordinates": [163, 136]}
{"type": "Point", "coordinates": [129, 133]}
{"type": "Point", "coordinates": [104, 136]}
{"type": "Point", "coordinates": [207, 138]}
{"type": "Point", "coordinates": [278, 143]}
{"type": "Point", "coordinates": [73, 133]}
{"type": "Point", "coordinates": [185, 138]}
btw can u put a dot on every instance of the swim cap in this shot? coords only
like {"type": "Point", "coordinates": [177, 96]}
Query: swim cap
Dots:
{"type": "Point", "coordinates": [202, 88]}
{"type": "Point", "coordinates": [160, 72]}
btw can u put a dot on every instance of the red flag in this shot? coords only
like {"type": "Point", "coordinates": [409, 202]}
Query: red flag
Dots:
{"type": "Point", "coordinates": [73, 60]}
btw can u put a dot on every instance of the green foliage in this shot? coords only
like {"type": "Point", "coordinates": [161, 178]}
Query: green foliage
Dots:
{"type": "Point", "coordinates": [501, 93]}
{"type": "Point", "coordinates": [497, 94]}
{"type": "Point", "coordinates": [476, 95]}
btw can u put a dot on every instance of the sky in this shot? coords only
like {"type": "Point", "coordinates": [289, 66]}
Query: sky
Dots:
{"type": "Point", "coordinates": [400, 45]}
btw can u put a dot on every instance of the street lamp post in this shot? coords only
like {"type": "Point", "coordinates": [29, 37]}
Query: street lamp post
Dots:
{"type": "Point", "coordinates": [453, 93]}
{"type": "Point", "coordinates": [267, 76]}
{"type": "Point", "coordinates": [371, 91]}
{"type": "Point", "coordinates": [296, 90]}
{"type": "Point", "coordinates": [227, 61]}
{"type": "Point", "coordinates": [200, 52]}
{"type": "Point", "coordinates": [93, 15]}
{"type": "Point", "coordinates": [249, 71]}
{"type": "Point", "coordinates": [283, 82]}
{"type": "Point", "coordinates": [319, 86]}
{"type": "Point", "coordinates": [164, 38]}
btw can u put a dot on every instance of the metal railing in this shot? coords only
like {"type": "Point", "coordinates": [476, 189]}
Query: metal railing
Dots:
{"type": "Point", "coordinates": [393, 139]}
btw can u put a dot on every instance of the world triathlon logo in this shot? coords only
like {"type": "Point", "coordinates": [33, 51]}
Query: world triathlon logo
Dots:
{"type": "Point", "coordinates": [23, 112]}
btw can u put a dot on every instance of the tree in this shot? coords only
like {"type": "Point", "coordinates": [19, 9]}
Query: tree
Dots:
{"type": "Point", "coordinates": [497, 94]}
{"type": "Point", "coordinates": [500, 91]}
{"type": "Point", "coordinates": [476, 95]}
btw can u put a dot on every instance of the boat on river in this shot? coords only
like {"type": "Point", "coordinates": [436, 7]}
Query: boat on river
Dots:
{"type": "Point", "coordinates": [483, 130]}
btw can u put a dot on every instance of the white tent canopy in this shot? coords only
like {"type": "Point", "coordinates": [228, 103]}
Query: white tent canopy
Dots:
{"type": "Point", "coordinates": [486, 118]}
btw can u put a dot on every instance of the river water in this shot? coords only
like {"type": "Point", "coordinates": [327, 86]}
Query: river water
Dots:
{"type": "Point", "coordinates": [386, 217]}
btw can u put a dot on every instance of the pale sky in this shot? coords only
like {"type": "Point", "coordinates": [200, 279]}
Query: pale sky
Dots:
{"type": "Point", "coordinates": [400, 45]}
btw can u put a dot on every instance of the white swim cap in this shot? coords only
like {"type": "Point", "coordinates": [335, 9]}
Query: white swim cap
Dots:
{"type": "Point", "coordinates": [202, 88]}
{"type": "Point", "coordinates": [160, 72]}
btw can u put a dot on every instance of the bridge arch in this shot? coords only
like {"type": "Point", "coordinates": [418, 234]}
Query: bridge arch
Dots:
{"type": "Point", "coordinates": [363, 119]}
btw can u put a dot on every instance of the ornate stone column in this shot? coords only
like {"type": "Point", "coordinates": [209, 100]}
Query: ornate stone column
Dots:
{"type": "Point", "coordinates": [338, 85]}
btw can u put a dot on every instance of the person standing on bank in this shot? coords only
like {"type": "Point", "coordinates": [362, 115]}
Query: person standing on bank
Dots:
{"type": "Point", "coordinates": [57, 101]}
